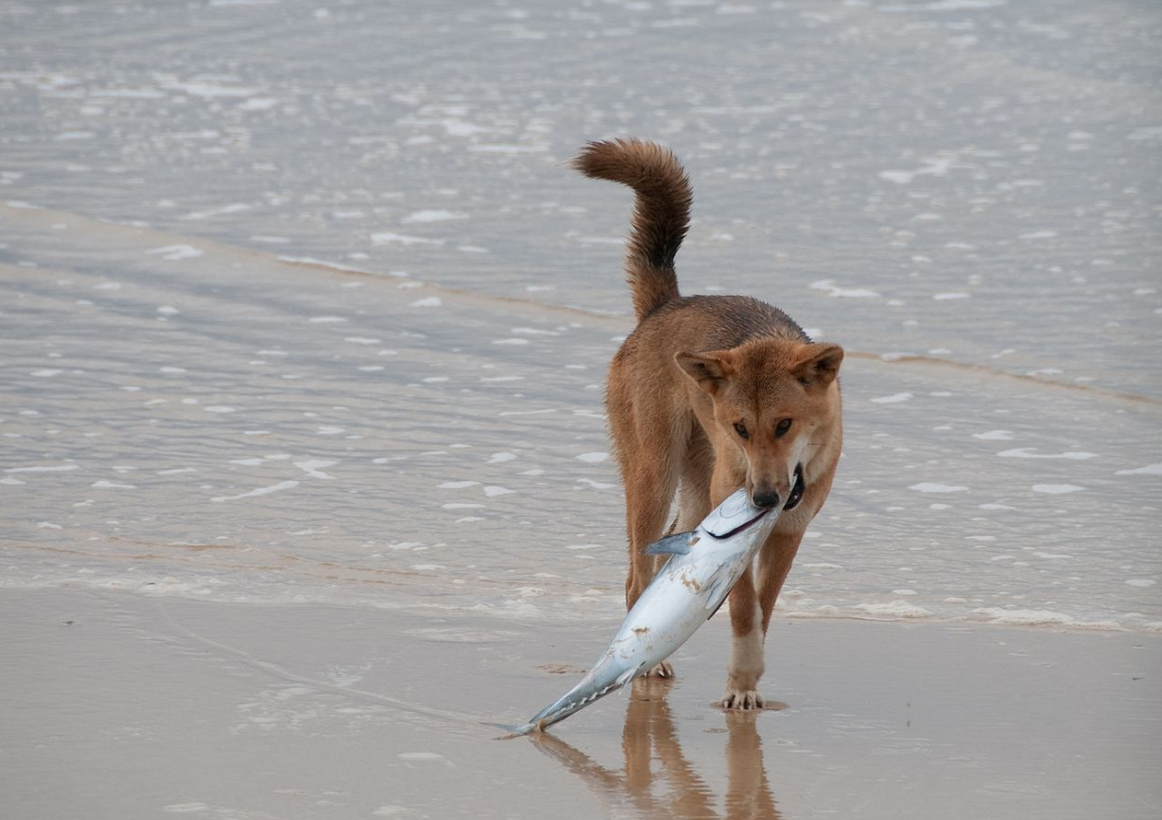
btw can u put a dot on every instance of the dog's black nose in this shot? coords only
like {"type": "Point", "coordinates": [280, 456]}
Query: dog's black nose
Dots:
{"type": "Point", "coordinates": [766, 498]}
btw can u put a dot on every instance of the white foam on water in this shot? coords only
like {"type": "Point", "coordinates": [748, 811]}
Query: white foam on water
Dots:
{"type": "Point", "coordinates": [894, 609]}
{"type": "Point", "coordinates": [223, 210]}
{"type": "Point", "coordinates": [282, 485]}
{"type": "Point", "coordinates": [1029, 452]}
{"type": "Point", "coordinates": [431, 301]}
{"type": "Point", "coordinates": [1056, 489]}
{"type": "Point", "coordinates": [433, 216]}
{"type": "Point", "coordinates": [994, 435]}
{"type": "Point", "coordinates": [893, 399]}
{"type": "Point", "coordinates": [388, 238]}
{"type": "Point", "coordinates": [57, 469]}
{"type": "Point", "coordinates": [1149, 469]}
{"type": "Point", "coordinates": [593, 458]}
{"type": "Point", "coordinates": [313, 467]}
{"type": "Point", "coordinates": [1039, 617]}
{"type": "Point", "coordinates": [527, 412]}
{"type": "Point", "coordinates": [930, 487]}
{"type": "Point", "coordinates": [176, 252]}
{"type": "Point", "coordinates": [835, 291]}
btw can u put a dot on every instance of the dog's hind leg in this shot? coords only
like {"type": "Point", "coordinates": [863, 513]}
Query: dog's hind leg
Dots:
{"type": "Point", "coordinates": [694, 486]}
{"type": "Point", "coordinates": [650, 470]}
{"type": "Point", "coordinates": [649, 488]}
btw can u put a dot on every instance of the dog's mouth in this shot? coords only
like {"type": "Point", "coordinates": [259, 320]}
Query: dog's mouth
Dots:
{"type": "Point", "coordinates": [797, 491]}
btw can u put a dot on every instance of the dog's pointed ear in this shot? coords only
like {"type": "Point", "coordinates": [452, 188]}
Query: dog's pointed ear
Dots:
{"type": "Point", "coordinates": [818, 365]}
{"type": "Point", "coordinates": [709, 370]}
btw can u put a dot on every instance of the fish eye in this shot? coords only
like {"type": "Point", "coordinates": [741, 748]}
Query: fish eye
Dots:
{"type": "Point", "coordinates": [740, 428]}
{"type": "Point", "coordinates": [782, 427]}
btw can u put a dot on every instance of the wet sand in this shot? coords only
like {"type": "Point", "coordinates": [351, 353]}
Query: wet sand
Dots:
{"type": "Point", "coordinates": [129, 707]}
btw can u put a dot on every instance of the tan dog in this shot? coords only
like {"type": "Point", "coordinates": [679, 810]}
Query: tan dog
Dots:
{"type": "Point", "coordinates": [708, 394]}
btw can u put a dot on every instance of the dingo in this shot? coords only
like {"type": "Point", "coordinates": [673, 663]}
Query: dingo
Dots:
{"type": "Point", "coordinates": [707, 395]}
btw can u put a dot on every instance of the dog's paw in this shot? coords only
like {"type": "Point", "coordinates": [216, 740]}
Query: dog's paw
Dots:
{"type": "Point", "coordinates": [741, 699]}
{"type": "Point", "coordinates": [665, 669]}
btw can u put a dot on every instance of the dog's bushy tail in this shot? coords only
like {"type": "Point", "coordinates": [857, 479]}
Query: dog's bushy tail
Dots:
{"type": "Point", "coordinates": [661, 213]}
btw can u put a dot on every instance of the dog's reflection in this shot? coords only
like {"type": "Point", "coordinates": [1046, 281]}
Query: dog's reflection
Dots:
{"type": "Point", "coordinates": [673, 788]}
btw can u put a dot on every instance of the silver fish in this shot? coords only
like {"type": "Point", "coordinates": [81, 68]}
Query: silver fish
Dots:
{"type": "Point", "coordinates": [689, 588]}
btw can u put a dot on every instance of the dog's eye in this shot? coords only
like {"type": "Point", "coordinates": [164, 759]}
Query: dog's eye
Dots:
{"type": "Point", "coordinates": [740, 428]}
{"type": "Point", "coordinates": [782, 427]}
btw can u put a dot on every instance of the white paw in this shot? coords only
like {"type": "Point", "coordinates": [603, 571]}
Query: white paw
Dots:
{"type": "Point", "coordinates": [741, 699]}
{"type": "Point", "coordinates": [665, 669]}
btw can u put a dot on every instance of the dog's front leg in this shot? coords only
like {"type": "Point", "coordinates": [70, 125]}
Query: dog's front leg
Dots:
{"type": "Point", "coordinates": [746, 649]}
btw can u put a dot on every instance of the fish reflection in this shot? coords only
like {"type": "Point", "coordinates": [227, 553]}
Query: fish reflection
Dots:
{"type": "Point", "coordinates": [673, 788]}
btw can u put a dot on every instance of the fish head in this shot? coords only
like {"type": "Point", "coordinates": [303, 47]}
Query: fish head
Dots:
{"type": "Point", "coordinates": [771, 397]}
{"type": "Point", "coordinates": [733, 516]}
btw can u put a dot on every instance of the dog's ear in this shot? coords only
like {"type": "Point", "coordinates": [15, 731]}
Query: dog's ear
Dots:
{"type": "Point", "coordinates": [709, 370]}
{"type": "Point", "coordinates": [818, 365]}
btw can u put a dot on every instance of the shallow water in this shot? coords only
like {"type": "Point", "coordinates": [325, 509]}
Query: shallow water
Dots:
{"type": "Point", "coordinates": [979, 179]}
{"type": "Point", "coordinates": [207, 411]}
{"type": "Point", "coordinates": [216, 423]}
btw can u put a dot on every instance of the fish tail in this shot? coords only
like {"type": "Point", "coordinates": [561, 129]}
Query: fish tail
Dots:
{"type": "Point", "coordinates": [593, 686]}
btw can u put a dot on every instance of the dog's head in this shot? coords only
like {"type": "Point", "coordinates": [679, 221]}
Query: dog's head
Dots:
{"type": "Point", "coordinates": [776, 400]}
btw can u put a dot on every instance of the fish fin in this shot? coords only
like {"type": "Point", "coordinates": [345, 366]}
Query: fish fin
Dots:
{"type": "Point", "coordinates": [626, 678]}
{"type": "Point", "coordinates": [676, 544]}
{"type": "Point", "coordinates": [715, 612]}
{"type": "Point", "coordinates": [714, 586]}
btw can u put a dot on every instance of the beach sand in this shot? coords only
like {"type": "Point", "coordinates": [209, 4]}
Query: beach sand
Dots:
{"type": "Point", "coordinates": [134, 707]}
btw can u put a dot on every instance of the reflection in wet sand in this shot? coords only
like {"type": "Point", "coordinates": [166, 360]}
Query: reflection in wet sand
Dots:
{"type": "Point", "coordinates": [673, 789]}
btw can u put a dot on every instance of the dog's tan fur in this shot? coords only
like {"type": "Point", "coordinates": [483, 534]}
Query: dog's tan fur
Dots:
{"type": "Point", "coordinates": [699, 398]}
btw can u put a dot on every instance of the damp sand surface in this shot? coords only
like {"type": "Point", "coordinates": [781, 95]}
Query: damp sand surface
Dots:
{"type": "Point", "coordinates": [129, 707]}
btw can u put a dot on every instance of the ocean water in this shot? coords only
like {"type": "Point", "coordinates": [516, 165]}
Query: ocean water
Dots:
{"type": "Point", "coordinates": [298, 302]}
